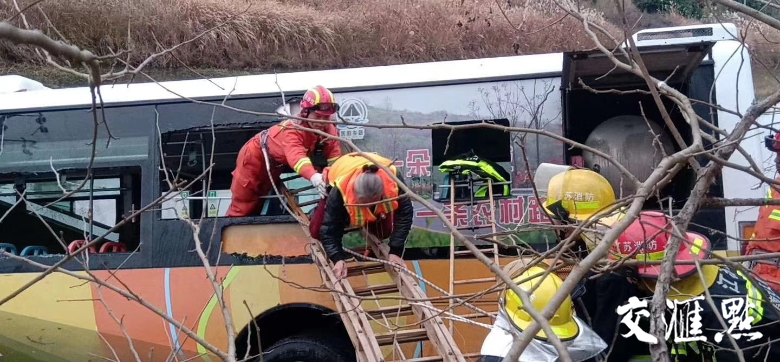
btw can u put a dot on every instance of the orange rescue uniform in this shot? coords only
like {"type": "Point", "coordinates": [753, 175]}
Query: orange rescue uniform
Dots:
{"type": "Point", "coordinates": [286, 146]}
{"type": "Point", "coordinates": [766, 239]}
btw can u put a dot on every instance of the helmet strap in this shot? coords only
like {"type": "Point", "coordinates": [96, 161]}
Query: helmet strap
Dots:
{"type": "Point", "coordinates": [558, 211]}
{"type": "Point", "coordinates": [771, 144]}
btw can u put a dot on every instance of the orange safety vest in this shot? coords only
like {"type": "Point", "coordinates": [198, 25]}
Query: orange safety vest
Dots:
{"type": "Point", "coordinates": [767, 226]}
{"type": "Point", "coordinates": [342, 175]}
{"type": "Point", "coordinates": [766, 239]}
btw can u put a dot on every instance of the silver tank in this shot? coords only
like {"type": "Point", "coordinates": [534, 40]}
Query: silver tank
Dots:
{"type": "Point", "coordinates": [628, 140]}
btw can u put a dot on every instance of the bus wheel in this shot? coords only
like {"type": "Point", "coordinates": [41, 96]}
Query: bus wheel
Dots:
{"type": "Point", "coordinates": [309, 348]}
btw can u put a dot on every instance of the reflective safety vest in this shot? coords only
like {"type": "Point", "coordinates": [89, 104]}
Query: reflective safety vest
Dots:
{"type": "Point", "coordinates": [766, 239]}
{"type": "Point", "coordinates": [727, 286]}
{"type": "Point", "coordinates": [767, 226]}
{"type": "Point", "coordinates": [692, 352]}
{"type": "Point", "coordinates": [471, 163]}
{"type": "Point", "coordinates": [343, 174]}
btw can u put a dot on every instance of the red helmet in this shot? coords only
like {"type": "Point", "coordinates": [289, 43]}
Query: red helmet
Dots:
{"type": "Point", "coordinates": [320, 100]}
{"type": "Point", "coordinates": [650, 233]}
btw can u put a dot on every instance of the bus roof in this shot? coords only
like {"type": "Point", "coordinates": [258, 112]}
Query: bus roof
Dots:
{"type": "Point", "coordinates": [338, 80]}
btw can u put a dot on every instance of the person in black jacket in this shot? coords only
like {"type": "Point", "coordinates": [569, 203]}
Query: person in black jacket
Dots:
{"type": "Point", "coordinates": [371, 188]}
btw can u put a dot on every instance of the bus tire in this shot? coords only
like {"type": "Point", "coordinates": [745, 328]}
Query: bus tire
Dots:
{"type": "Point", "coordinates": [308, 348]}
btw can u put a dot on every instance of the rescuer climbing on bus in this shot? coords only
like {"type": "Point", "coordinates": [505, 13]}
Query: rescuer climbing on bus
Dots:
{"type": "Point", "coordinates": [281, 146]}
{"type": "Point", "coordinates": [362, 195]}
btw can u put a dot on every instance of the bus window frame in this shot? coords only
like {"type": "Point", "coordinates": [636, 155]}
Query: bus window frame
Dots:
{"type": "Point", "coordinates": [131, 259]}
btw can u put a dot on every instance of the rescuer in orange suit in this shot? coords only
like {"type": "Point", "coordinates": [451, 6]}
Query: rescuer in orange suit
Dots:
{"type": "Point", "coordinates": [766, 237]}
{"type": "Point", "coordinates": [285, 145]}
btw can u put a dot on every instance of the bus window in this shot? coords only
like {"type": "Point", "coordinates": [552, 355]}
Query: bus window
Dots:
{"type": "Point", "coordinates": [57, 201]}
{"type": "Point", "coordinates": [185, 158]}
{"type": "Point", "coordinates": [187, 155]}
{"type": "Point", "coordinates": [45, 156]}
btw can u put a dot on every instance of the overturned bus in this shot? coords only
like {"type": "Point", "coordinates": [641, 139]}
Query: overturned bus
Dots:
{"type": "Point", "coordinates": [45, 148]}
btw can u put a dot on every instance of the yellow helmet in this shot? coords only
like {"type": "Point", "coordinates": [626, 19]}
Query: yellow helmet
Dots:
{"type": "Point", "coordinates": [562, 323]}
{"type": "Point", "coordinates": [581, 193]}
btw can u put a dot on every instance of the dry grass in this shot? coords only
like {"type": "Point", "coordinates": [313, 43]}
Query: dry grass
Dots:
{"type": "Point", "coordinates": [289, 35]}
{"type": "Point", "coordinates": [638, 19]}
{"type": "Point", "coordinates": [764, 43]}
{"type": "Point", "coordinates": [300, 35]}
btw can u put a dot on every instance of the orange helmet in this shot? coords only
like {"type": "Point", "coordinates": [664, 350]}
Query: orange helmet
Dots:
{"type": "Point", "coordinates": [320, 100]}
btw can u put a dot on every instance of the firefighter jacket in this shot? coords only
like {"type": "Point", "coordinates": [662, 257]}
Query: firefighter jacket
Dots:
{"type": "Point", "coordinates": [602, 297]}
{"type": "Point", "coordinates": [767, 226]}
{"type": "Point", "coordinates": [340, 212]}
{"type": "Point", "coordinates": [766, 239]}
{"type": "Point", "coordinates": [294, 147]}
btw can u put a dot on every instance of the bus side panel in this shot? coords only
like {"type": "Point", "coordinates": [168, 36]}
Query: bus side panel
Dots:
{"type": "Point", "coordinates": [527, 103]}
{"type": "Point", "coordinates": [734, 89]}
{"type": "Point", "coordinates": [53, 320]}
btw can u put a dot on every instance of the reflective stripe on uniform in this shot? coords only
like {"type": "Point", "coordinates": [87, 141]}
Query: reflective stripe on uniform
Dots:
{"type": "Point", "coordinates": [754, 295]}
{"type": "Point", "coordinates": [694, 347]}
{"type": "Point", "coordinates": [775, 215]}
{"type": "Point", "coordinates": [302, 162]}
{"type": "Point", "coordinates": [679, 350]}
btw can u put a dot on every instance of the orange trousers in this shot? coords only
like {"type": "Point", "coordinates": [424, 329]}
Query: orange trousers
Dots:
{"type": "Point", "coordinates": [250, 180]}
{"type": "Point", "coordinates": [766, 270]}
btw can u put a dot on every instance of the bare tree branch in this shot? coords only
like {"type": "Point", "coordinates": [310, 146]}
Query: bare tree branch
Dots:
{"type": "Point", "coordinates": [38, 39]}
{"type": "Point", "coordinates": [753, 13]}
{"type": "Point", "coordinates": [716, 202]}
{"type": "Point", "coordinates": [704, 178]}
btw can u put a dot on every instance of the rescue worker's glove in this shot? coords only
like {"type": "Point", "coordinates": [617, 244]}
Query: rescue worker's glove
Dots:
{"type": "Point", "coordinates": [317, 182]}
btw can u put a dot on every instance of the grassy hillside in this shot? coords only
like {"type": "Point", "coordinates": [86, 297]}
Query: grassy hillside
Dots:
{"type": "Point", "coordinates": [287, 35]}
